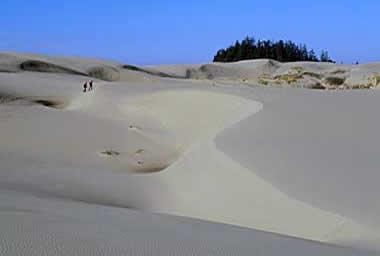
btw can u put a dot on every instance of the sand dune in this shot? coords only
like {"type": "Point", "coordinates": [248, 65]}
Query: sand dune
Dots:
{"type": "Point", "coordinates": [40, 66]}
{"type": "Point", "coordinates": [155, 73]}
{"type": "Point", "coordinates": [254, 72]}
{"type": "Point", "coordinates": [269, 73]}
{"type": "Point", "coordinates": [17, 62]}
{"type": "Point", "coordinates": [210, 141]}
{"type": "Point", "coordinates": [74, 228]}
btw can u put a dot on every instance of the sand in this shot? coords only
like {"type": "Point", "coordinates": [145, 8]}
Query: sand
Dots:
{"type": "Point", "coordinates": [109, 172]}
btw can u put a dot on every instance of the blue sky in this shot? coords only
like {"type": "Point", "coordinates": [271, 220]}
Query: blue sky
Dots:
{"type": "Point", "coordinates": [172, 32]}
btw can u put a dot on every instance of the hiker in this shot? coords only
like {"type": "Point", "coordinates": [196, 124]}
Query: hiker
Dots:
{"type": "Point", "coordinates": [90, 83]}
{"type": "Point", "coordinates": [85, 87]}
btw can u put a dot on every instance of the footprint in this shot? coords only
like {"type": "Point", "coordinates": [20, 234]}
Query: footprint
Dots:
{"type": "Point", "coordinates": [110, 153]}
{"type": "Point", "coordinates": [134, 127]}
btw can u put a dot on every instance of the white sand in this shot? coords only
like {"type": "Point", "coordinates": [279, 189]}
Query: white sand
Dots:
{"type": "Point", "coordinates": [295, 162]}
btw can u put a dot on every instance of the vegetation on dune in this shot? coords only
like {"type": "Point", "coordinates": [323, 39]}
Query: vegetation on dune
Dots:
{"type": "Point", "coordinates": [283, 51]}
{"type": "Point", "coordinates": [263, 82]}
{"type": "Point", "coordinates": [314, 75]}
{"type": "Point", "coordinates": [317, 86]}
{"type": "Point", "coordinates": [373, 81]}
{"type": "Point", "coordinates": [338, 71]}
{"type": "Point", "coordinates": [298, 69]}
{"type": "Point", "coordinates": [377, 79]}
{"type": "Point", "coordinates": [289, 78]}
{"type": "Point", "coordinates": [333, 80]}
{"type": "Point", "coordinates": [295, 74]}
{"type": "Point", "coordinates": [362, 86]}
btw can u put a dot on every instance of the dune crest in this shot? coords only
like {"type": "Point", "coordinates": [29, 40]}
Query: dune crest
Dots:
{"type": "Point", "coordinates": [40, 66]}
{"type": "Point", "coordinates": [106, 73]}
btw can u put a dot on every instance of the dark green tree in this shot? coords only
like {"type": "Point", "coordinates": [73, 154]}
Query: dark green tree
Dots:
{"type": "Point", "coordinates": [325, 57]}
{"type": "Point", "coordinates": [284, 51]}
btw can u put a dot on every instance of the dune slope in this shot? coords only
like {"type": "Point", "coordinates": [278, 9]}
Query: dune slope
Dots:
{"type": "Point", "coordinates": [201, 141]}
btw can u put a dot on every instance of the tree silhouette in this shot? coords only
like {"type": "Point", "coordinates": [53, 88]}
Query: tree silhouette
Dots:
{"type": "Point", "coordinates": [284, 51]}
{"type": "Point", "coordinates": [325, 56]}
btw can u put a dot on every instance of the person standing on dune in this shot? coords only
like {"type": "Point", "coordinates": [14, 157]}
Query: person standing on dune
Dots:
{"type": "Point", "coordinates": [85, 87]}
{"type": "Point", "coordinates": [90, 83]}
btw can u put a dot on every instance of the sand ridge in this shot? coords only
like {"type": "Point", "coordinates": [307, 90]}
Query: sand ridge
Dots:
{"type": "Point", "coordinates": [177, 142]}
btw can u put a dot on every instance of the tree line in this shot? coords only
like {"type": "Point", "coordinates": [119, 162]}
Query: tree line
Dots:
{"type": "Point", "coordinates": [283, 51]}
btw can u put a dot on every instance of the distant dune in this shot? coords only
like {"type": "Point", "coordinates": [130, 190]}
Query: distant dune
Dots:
{"type": "Point", "coordinates": [314, 75]}
{"type": "Point", "coordinates": [210, 159]}
{"type": "Point", "coordinates": [270, 73]}
{"type": "Point", "coordinates": [17, 62]}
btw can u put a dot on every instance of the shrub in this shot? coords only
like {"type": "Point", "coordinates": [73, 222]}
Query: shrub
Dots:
{"type": "Point", "coordinates": [298, 69]}
{"type": "Point", "coordinates": [333, 80]}
{"type": "Point", "coordinates": [263, 82]}
{"type": "Point", "coordinates": [312, 74]}
{"type": "Point", "coordinates": [338, 71]}
{"type": "Point", "coordinates": [289, 78]}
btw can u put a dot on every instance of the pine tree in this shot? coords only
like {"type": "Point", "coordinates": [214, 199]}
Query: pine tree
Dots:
{"type": "Point", "coordinates": [284, 51]}
{"type": "Point", "coordinates": [312, 56]}
{"type": "Point", "coordinates": [237, 51]}
{"type": "Point", "coordinates": [325, 57]}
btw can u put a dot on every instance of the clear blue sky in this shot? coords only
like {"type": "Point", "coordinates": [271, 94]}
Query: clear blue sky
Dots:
{"type": "Point", "coordinates": [172, 31]}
